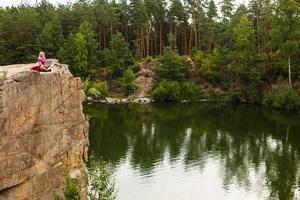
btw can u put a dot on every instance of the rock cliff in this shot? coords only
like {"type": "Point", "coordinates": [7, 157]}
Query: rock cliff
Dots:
{"type": "Point", "coordinates": [43, 131]}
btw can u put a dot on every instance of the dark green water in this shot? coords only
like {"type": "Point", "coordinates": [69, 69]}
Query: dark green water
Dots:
{"type": "Point", "coordinates": [198, 151]}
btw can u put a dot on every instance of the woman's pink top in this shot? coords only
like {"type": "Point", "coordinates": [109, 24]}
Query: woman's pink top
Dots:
{"type": "Point", "coordinates": [42, 60]}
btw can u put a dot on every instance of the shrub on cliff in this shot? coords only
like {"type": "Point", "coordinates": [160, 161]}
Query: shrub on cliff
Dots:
{"type": "Point", "coordinates": [101, 182]}
{"type": "Point", "coordinates": [71, 190]}
{"type": "Point", "coordinates": [282, 96]}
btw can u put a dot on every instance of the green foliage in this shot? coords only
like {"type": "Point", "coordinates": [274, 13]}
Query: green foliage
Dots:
{"type": "Point", "coordinates": [98, 89]}
{"type": "Point", "coordinates": [245, 49]}
{"type": "Point", "coordinates": [91, 44]}
{"type": "Point", "coordinates": [244, 34]}
{"type": "Point", "coordinates": [51, 38]}
{"type": "Point", "coordinates": [80, 51]}
{"type": "Point", "coordinates": [93, 92]}
{"type": "Point", "coordinates": [148, 59]}
{"type": "Point", "coordinates": [205, 60]}
{"type": "Point", "coordinates": [169, 91]}
{"type": "Point", "coordinates": [2, 52]}
{"type": "Point", "coordinates": [81, 55]}
{"type": "Point", "coordinates": [86, 84]}
{"type": "Point", "coordinates": [102, 87]}
{"type": "Point", "coordinates": [118, 57]}
{"type": "Point", "coordinates": [71, 190]}
{"type": "Point", "coordinates": [28, 29]}
{"type": "Point", "coordinates": [282, 96]}
{"type": "Point", "coordinates": [75, 54]}
{"type": "Point", "coordinates": [172, 67]}
{"type": "Point", "coordinates": [102, 186]}
{"type": "Point", "coordinates": [188, 91]}
{"type": "Point", "coordinates": [128, 81]}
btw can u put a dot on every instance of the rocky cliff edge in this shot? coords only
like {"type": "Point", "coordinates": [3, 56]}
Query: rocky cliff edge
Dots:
{"type": "Point", "coordinates": [43, 131]}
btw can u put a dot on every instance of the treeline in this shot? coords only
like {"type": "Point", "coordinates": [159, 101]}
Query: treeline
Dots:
{"type": "Point", "coordinates": [264, 26]}
{"type": "Point", "coordinates": [242, 48]}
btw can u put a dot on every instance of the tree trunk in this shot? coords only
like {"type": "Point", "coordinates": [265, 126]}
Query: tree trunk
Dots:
{"type": "Point", "coordinates": [155, 43]}
{"type": "Point", "coordinates": [290, 75]}
{"type": "Point", "coordinates": [185, 42]}
{"type": "Point", "coordinates": [191, 36]}
{"type": "Point", "coordinates": [195, 29]}
{"type": "Point", "coordinates": [257, 29]}
{"type": "Point", "coordinates": [148, 38]}
{"type": "Point", "coordinates": [104, 39]}
{"type": "Point", "coordinates": [160, 37]}
{"type": "Point", "coordinates": [142, 42]}
{"type": "Point", "coordinates": [175, 34]}
{"type": "Point", "coordinates": [100, 37]}
{"type": "Point", "coordinates": [126, 32]}
{"type": "Point", "coordinates": [111, 31]}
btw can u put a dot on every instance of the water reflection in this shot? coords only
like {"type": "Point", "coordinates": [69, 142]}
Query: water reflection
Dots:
{"type": "Point", "coordinates": [238, 152]}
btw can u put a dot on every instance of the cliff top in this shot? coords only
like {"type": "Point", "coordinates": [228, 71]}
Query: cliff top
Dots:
{"type": "Point", "coordinates": [20, 70]}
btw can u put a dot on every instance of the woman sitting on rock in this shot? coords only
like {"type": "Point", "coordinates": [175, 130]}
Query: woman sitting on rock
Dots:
{"type": "Point", "coordinates": [41, 63]}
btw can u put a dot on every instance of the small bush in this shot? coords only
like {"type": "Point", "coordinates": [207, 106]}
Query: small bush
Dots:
{"type": "Point", "coordinates": [173, 91]}
{"type": "Point", "coordinates": [71, 190]}
{"type": "Point", "coordinates": [101, 181]}
{"type": "Point", "coordinates": [233, 96]}
{"type": "Point", "coordinates": [93, 92]}
{"type": "Point", "coordinates": [86, 84]}
{"type": "Point", "coordinates": [128, 81]}
{"type": "Point", "coordinates": [148, 59]}
{"type": "Point", "coordinates": [102, 87]}
{"type": "Point", "coordinates": [189, 91]}
{"type": "Point", "coordinates": [282, 96]}
{"type": "Point", "coordinates": [167, 91]}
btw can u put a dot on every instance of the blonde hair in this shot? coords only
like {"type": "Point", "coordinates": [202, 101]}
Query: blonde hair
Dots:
{"type": "Point", "coordinates": [42, 54]}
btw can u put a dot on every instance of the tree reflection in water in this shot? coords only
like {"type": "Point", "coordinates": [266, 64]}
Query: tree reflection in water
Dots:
{"type": "Point", "coordinates": [242, 139]}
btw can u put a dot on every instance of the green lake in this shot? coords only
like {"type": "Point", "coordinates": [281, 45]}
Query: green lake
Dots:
{"type": "Point", "coordinates": [198, 151]}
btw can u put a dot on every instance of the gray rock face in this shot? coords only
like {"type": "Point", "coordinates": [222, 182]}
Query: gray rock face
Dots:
{"type": "Point", "coordinates": [42, 131]}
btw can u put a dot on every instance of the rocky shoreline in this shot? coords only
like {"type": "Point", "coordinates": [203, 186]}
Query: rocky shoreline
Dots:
{"type": "Point", "coordinates": [138, 100]}
{"type": "Point", "coordinates": [113, 100]}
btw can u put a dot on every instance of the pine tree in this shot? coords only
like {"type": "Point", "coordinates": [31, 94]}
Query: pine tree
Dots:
{"type": "Point", "coordinates": [91, 44]}
{"type": "Point", "coordinates": [177, 21]}
{"type": "Point", "coordinates": [286, 31]}
{"type": "Point", "coordinates": [27, 31]}
{"type": "Point", "coordinates": [75, 54]}
{"type": "Point", "coordinates": [118, 56]}
{"type": "Point", "coordinates": [227, 9]}
{"type": "Point", "coordinates": [139, 19]}
{"type": "Point", "coordinates": [172, 68]}
{"type": "Point", "coordinates": [2, 53]}
{"type": "Point", "coordinates": [81, 55]}
{"type": "Point", "coordinates": [211, 15]}
{"type": "Point", "coordinates": [51, 38]}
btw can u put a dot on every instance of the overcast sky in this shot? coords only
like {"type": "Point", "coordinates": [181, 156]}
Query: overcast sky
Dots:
{"type": "Point", "coordinates": [4, 3]}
